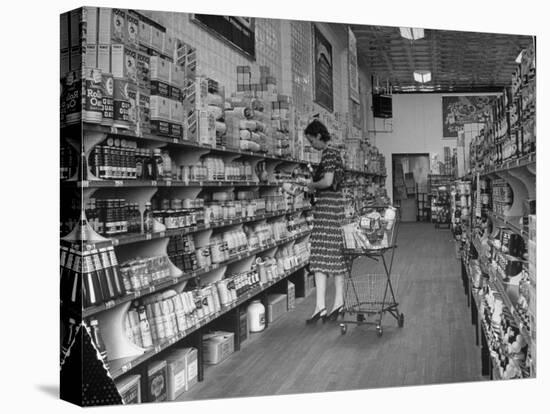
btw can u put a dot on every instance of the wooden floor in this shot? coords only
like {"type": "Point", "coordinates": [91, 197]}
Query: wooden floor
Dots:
{"type": "Point", "coordinates": [436, 345]}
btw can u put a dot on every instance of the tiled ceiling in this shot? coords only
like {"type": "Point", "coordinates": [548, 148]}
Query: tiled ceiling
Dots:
{"type": "Point", "coordinates": [458, 61]}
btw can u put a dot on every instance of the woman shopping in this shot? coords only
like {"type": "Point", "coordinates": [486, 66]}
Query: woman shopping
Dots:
{"type": "Point", "coordinates": [326, 240]}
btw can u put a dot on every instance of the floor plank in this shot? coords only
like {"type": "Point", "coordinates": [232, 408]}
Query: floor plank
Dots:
{"type": "Point", "coordinates": [437, 344]}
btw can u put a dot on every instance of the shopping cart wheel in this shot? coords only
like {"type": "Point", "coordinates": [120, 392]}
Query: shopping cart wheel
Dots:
{"type": "Point", "coordinates": [401, 320]}
{"type": "Point", "coordinates": [343, 328]}
{"type": "Point", "coordinates": [379, 331]}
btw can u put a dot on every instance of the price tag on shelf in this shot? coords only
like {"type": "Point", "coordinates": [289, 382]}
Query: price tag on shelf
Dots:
{"type": "Point", "coordinates": [125, 367]}
{"type": "Point", "coordinates": [109, 304]}
{"type": "Point", "coordinates": [175, 140]}
{"type": "Point", "coordinates": [157, 349]}
{"type": "Point", "coordinates": [169, 183]}
{"type": "Point", "coordinates": [148, 236]}
{"type": "Point", "coordinates": [154, 183]}
{"type": "Point", "coordinates": [119, 183]}
{"type": "Point", "coordinates": [84, 184]}
{"type": "Point", "coordinates": [152, 289]}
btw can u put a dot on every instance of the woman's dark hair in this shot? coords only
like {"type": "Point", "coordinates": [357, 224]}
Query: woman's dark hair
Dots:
{"type": "Point", "coordinates": [317, 127]}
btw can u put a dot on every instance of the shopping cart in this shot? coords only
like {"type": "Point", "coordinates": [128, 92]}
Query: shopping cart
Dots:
{"type": "Point", "coordinates": [372, 295]}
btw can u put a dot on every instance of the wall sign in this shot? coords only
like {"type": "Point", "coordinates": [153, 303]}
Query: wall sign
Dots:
{"type": "Point", "coordinates": [238, 31]}
{"type": "Point", "coordinates": [322, 70]}
{"type": "Point", "coordinates": [460, 110]}
{"type": "Point", "coordinates": [352, 65]}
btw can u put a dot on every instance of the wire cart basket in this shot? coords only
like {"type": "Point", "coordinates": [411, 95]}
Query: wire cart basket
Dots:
{"type": "Point", "coordinates": [372, 295]}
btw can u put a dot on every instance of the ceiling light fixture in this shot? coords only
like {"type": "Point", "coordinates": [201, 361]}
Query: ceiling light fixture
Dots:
{"type": "Point", "coordinates": [518, 59]}
{"type": "Point", "coordinates": [411, 33]}
{"type": "Point", "coordinates": [422, 76]}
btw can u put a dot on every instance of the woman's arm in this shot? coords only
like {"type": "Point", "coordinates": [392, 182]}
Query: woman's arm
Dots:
{"type": "Point", "coordinates": [324, 182]}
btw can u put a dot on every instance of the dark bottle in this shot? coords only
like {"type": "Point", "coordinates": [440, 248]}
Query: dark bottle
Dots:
{"type": "Point", "coordinates": [106, 283]}
{"type": "Point", "coordinates": [90, 282]}
{"type": "Point", "coordinates": [98, 340]}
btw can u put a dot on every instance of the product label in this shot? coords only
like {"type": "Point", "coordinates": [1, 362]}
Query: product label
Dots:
{"type": "Point", "coordinates": [132, 29]}
{"type": "Point", "coordinates": [131, 396]}
{"type": "Point", "coordinates": [73, 97]}
{"type": "Point", "coordinates": [93, 106]}
{"type": "Point", "coordinates": [118, 23]}
{"type": "Point", "coordinates": [179, 381]}
{"type": "Point", "coordinates": [143, 70]}
{"type": "Point", "coordinates": [192, 370]}
{"type": "Point", "coordinates": [121, 101]}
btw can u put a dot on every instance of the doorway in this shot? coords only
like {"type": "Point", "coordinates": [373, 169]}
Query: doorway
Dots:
{"type": "Point", "coordinates": [410, 185]}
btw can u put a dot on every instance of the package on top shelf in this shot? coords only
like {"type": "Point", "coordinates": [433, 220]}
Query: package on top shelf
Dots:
{"type": "Point", "coordinates": [145, 31]}
{"type": "Point", "coordinates": [132, 29]}
{"type": "Point", "coordinates": [112, 26]}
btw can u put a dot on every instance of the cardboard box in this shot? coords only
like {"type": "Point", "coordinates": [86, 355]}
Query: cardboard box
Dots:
{"type": "Point", "coordinates": [243, 324]}
{"type": "Point", "coordinates": [75, 33]}
{"type": "Point", "coordinates": [157, 38]}
{"type": "Point", "coordinates": [129, 388]}
{"type": "Point", "coordinates": [169, 44]}
{"type": "Point", "coordinates": [76, 58]}
{"type": "Point", "coordinates": [144, 113]}
{"type": "Point", "coordinates": [123, 62]}
{"type": "Point", "coordinates": [64, 32]}
{"type": "Point", "coordinates": [112, 26]}
{"type": "Point", "coordinates": [291, 295]}
{"type": "Point", "coordinates": [90, 58]}
{"type": "Point", "coordinates": [104, 58]}
{"type": "Point", "coordinates": [192, 367]}
{"type": "Point", "coordinates": [155, 382]}
{"type": "Point", "coordinates": [145, 31]}
{"type": "Point", "coordinates": [65, 63]}
{"type": "Point", "coordinates": [176, 375]}
{"type": "Point", "coordinates": [132, 29]}
{"type": "Point", "coordinates": [276, 306]}
{"type": "Point", "coordinates": [160, 76]}
{"type": "Point", "coordinates": [217, 346]}
{"type": "Point", "coordinates": [143, 70]}
{"type": "Point", "coordinates": [91, 16]}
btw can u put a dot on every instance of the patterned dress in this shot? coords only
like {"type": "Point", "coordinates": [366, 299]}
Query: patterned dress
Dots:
{"type": "Point", "coordinates": [328, 215]}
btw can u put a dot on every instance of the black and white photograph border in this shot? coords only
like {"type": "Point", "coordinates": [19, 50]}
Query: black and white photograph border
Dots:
{"type": "Point", "coordinates": [32, 311]}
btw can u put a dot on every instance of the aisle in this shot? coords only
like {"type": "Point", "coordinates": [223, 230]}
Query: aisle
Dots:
{"type": "Point", "coordinates": [437, 344]}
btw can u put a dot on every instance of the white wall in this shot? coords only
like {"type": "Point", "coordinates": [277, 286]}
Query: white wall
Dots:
{"type": "Point", "coordinates": [417, 128]}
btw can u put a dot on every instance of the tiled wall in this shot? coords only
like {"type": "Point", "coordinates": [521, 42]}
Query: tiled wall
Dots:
{"type": "Point", "coordinates": [216, 58]}
{"type": "Point", "coordinates": [302, 66]}
{"type": "Point", "coordinates": [285, 46]}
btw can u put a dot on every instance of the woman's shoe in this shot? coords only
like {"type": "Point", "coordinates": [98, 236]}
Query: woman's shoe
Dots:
{"type": "Point", "coordinates": [322, 314]}
{"type": "Point", "coordinates": [333, 316]}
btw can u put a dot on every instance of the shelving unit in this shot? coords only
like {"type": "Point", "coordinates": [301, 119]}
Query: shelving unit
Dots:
{"type": "Point", "coordinates": [510, 213]}
{"type": "Point", "coordinates": [121, 366]}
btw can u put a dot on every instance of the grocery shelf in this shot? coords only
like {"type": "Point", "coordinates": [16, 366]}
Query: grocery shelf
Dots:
{"type": "Point", "coordinates": [95, 128]}
{"type": "Point", "coordinates": [130, 238]}
{"type": "Point", "coordinates": [509, 221]}
{"type": "Point", "coordinates": [122, 365]}
{"type": "Point", "coordinates": [500, 286]}
{"type": "Point", "coordinates": [167, 183]}
{"type": "Point", "coordinates": [526, 160]}
{"type": "Point", "coordinates": [168, 282]}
